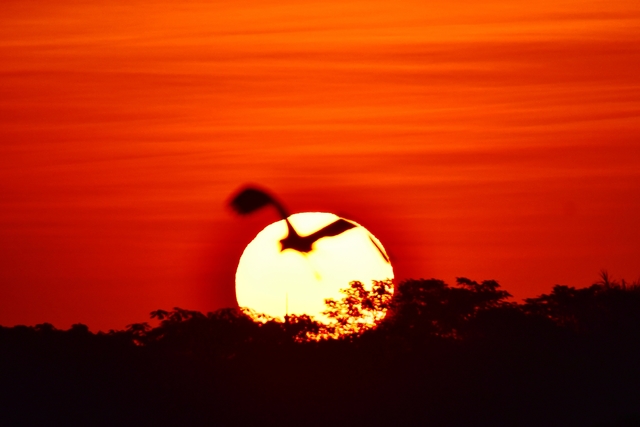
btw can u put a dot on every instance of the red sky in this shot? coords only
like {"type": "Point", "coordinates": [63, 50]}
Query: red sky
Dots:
{"type": "Point", "coordinates": [490, 140]}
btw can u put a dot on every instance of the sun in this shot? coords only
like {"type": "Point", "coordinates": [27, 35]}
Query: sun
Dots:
{"type": "Point", "coordinates": [274, 282]}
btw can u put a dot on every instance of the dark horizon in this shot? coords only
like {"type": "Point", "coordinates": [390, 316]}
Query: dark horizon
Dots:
{"type": "Point", "coordinates": [451, 356]}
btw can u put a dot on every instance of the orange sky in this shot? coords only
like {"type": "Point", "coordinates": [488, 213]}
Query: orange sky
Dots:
{"type": "Point", "coordinates": [491, 140]}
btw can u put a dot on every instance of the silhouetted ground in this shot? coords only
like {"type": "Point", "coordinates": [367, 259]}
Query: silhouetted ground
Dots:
{"type": "Point", "coordinates": [447, 356]}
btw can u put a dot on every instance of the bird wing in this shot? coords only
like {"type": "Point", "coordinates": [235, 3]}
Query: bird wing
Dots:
{"type": "Point", "coordinates": [338, 226]}
{"type": "Point", "coordinates": [251, 199]}
{"type": "Point", "coordinates": [384, 255]}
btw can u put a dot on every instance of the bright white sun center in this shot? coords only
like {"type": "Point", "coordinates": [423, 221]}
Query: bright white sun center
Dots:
{"type": "Point", "coordinates": [289, 282]}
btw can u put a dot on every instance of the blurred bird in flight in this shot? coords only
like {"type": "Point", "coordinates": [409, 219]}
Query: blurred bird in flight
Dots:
{"type": "Point", "coordinates": [250, 199]}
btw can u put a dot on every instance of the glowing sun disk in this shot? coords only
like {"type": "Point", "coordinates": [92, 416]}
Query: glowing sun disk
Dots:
{"type": "Point", "coordinates": [276, 283]}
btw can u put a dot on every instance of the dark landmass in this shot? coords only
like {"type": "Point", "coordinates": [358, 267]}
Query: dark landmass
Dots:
{"type": "Point", "coordinates": [458, 355]}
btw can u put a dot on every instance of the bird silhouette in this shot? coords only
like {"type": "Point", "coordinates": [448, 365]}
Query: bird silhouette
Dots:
{"type": "Point", "coordinates": [251, 199]}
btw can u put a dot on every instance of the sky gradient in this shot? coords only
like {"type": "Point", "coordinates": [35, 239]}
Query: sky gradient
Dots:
{"type": "Point", "coordinates": [492, 141]}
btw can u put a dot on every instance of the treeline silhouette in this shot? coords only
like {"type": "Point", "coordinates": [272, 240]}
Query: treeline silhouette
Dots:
{"type": "Point", "coordinates": [462, 355]}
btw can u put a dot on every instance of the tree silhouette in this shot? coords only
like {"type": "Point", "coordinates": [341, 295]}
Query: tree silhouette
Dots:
{"type": "Point", "coordinates": [429, 307]}
{"type": "Point", "coordinates": [138, 332]}
{"type": "Point", "coordinates": [159, 314]}
{"type": "Point", "coordinates": [359, 309]}
{"type": "Point", "coordinates": [451, 356]}
{"type": "Point", "coordinates": [606, 308]}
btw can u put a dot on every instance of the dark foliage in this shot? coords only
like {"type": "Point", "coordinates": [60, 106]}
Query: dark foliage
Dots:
{"type": "Point", "coordinates": [460, 355]}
